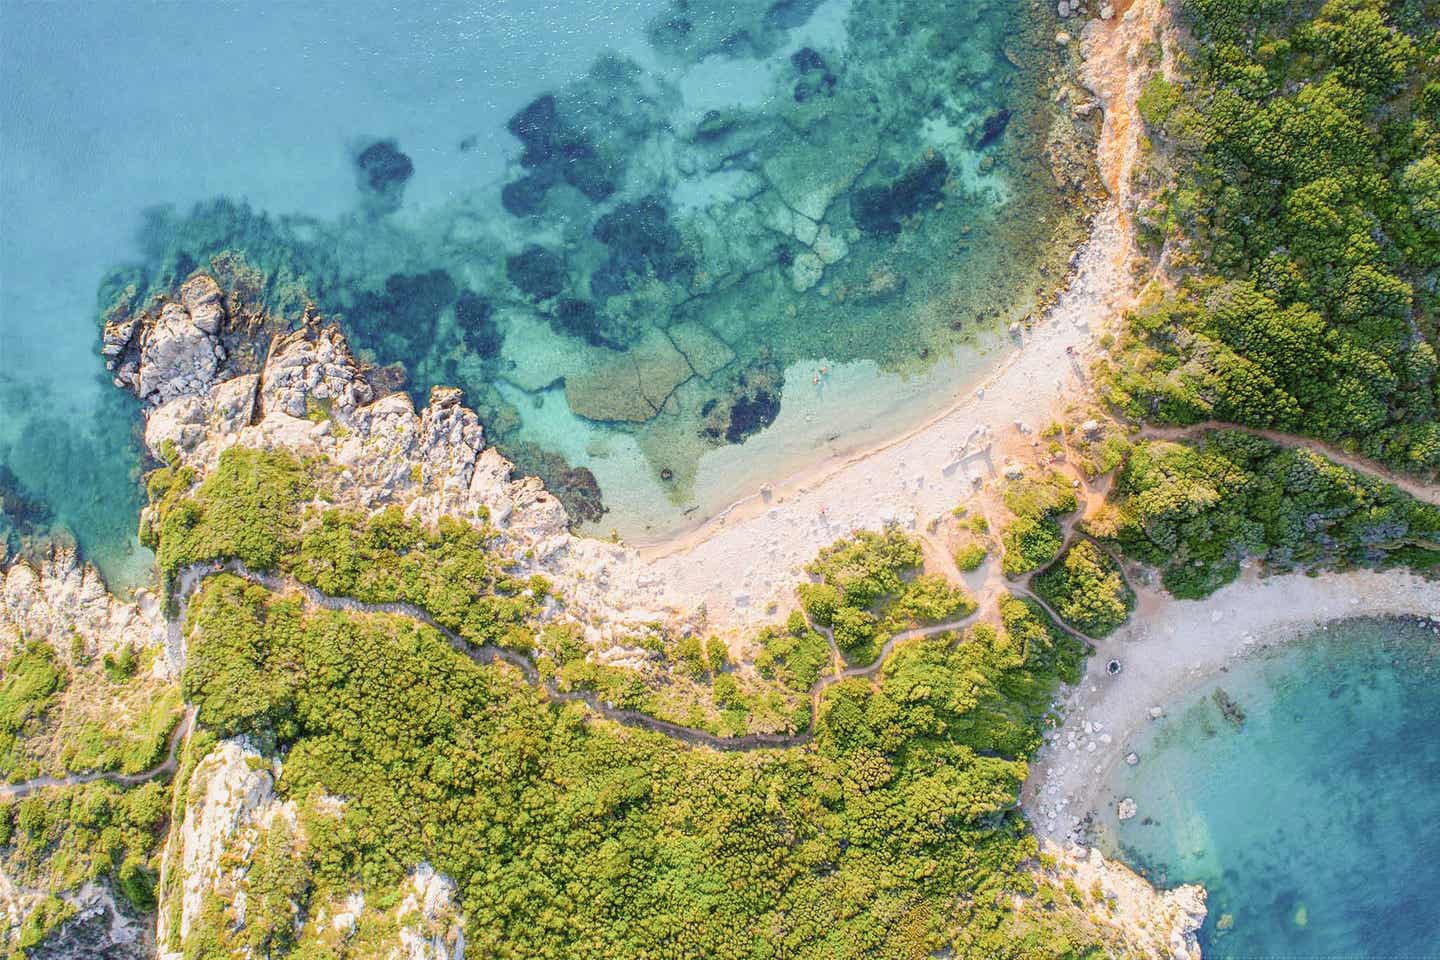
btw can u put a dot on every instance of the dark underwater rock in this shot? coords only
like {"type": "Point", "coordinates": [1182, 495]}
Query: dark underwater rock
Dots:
{"type": "Point", "coordinates": [879, 210]}
{"type": "Point", "coordinates": [753, 404]}
{"type": "Point", "coordinates": [815, 76]}
{"type": "Point", "coordinates": [579, 318]}
{"type": "Point", "coordinates": [1229, 708]}
{"type": "Point", "coordinates": [523, 197]}
{"type": "Point", "coordinates": [575, 487]}
{"type": "Point", "coordinates": [476, 318]}
{"type": "Point", "coordinates": [587, 170]}
{"type": "Point", "coordinates": [383, 171]}
{"type": "Point", "coordinates": [609, 279]}
{"type": "Point", "coordinates": [993, 128]}
{"type": "Point", "coordinates": [556, 151]}
{"type": "Point", "coordinates": [23, 515]}
{"type": "Point", "coordinates": [806, 59]}
{"type": "Point", "coordinates": [537, 272]}
{"type": "Point", "coordinates": [640, 232]}
{"type": "Point", "coordinates": [384, 165]}
{"type": "Point", "coordinates": [536, 126]}
{"type": "Point", "coordinates": [405, 313]}
{"type": "Point", "coordinates": [752, 413]}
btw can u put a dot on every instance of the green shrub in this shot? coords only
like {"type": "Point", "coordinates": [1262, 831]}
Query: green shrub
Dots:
{"type": "Point", "coordinates": [971, 556]}
{"type": "Point", "coordinates": [29, 683]}
{"type": "Point", "coordinates": [248, 508]}
{"type": "Point", "coordinates": [1196, 510]}
{"type": "Point", "coordinates": [1087, 590]}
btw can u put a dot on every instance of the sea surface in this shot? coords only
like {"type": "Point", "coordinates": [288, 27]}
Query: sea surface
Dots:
{"type": "Point", "coordinates": [1312, 822]}
{"type": "Point", "coordinates": [669, 249]}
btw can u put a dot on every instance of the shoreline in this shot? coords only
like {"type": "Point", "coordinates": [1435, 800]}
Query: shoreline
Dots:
{"type": "Point", "coordinates": [741, 564]}
{"type": "Point", "coordinates": [1169, 648]}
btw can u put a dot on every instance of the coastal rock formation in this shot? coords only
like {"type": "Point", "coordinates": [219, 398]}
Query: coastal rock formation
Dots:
{"type": "Point", "coordinates": [60, 598]}
{"type": "Point", "coordinates": [314, 396]}
{"type": "Point", "coordinates": [224, 795]}
{"type": "Point", "coordinates": [1154, 923]}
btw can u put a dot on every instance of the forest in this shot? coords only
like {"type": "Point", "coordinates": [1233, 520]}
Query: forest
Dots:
{"type": "Point", "coordinates": [895, 832]}
{"type": "Point", "coordinates": [1295, 167]}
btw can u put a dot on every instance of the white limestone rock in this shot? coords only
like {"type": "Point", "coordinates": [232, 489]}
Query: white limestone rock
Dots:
{"type": "Point", "coordinates": [61, 598]}
{"type": "Point", "coordinates": [229, 790]}
{"type": "Point", "coordinates": [431, 927]}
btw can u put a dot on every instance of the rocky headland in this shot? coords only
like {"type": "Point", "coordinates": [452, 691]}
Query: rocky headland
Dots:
{"type": "Point", "coordinates": [213, 376]}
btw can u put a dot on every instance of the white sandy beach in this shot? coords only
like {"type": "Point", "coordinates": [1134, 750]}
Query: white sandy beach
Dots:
{"type": "Point", "coordinates": [1172, 645]}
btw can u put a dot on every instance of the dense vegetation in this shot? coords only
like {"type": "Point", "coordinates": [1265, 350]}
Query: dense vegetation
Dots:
{"type": "Point", "coordinates": [1033, 537]}
{"type": "Point", "coordinates": [450, 570]}
{"type": "Point", "coordinates": [894, 834]}
{"type": "Point", "coordinates": [261, 507]}
{"type": "Point", "coordinates": [268, 509]}
{"type": "Point", "coordinates": [870, 589]}
{"type": "Point", "coordinates": [1085, 587]}
{"type": "Point", "coordinates": [66, 836]}
{"type": "Point", "coordinates": [29, 683]}
{"type": "Point", "coordinates": [1302, 215]}
{"type": "Point", "coordinates": [248, 508]}
{"type": "Point", "coordinates": [1197, 511]}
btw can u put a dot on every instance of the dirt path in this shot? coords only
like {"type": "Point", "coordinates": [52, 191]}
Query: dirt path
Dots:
{"type": "Point", "coordinates": [14, 791]}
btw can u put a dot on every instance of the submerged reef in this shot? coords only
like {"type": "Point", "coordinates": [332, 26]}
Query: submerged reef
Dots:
{"type": "Point", "coordinates": [381, 173]}
{"type": "Point", "coordinates": [895, 185]}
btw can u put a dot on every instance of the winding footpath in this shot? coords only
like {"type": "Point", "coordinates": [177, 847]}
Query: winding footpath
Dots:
{"type": "Point", "coordinates": [15, 791]}
{"type": "Point", "coordinates": [191, 579]}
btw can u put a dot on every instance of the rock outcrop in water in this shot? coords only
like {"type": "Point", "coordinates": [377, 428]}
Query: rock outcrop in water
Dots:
{"type": "Point", "coordinates": [381, 173]}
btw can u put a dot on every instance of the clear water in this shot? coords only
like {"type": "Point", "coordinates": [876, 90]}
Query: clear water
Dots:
{"type": "Point", "coordinates": [1312, 825]}
{"type": "Point", "coordinates": [682, 331]}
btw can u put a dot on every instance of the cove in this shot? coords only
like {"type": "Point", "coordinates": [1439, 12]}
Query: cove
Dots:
{"type": "Point", "coordinates": [669, 250]}
{"type": "Point", "coordinates": [1302, 796]}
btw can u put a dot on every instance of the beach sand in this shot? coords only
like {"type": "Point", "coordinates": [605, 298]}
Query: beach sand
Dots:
{"type": "Point", "coordinates": [1169, 647]}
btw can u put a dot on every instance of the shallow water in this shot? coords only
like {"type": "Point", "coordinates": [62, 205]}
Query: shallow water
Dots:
{"type": "Point", "coordinates": [1312, 824]}
{"type": "Point", "coordinates": [682, 248]}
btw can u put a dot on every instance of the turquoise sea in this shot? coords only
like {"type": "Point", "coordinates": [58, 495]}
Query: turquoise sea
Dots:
{"type": "Point", "coordinates": [1312, 822]}
{"type": "Point", "coordinates": [669, 248]}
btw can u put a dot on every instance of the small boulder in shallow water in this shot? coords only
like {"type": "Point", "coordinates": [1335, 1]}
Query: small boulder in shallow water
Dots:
{"type": "Point", "coordinates": [476, 318]}
{"type": "Point", "coordinates": [879, 210]}
{"type": "Point", "coordinates": [993, 128]}
{"type": "Point", "coordinates": [1126, 809]}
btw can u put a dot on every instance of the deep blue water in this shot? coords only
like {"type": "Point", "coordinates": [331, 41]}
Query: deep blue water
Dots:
{"type": "Point", "coordinates": [732, 203]}
{"type": "Point", "coordinates": [1313, 824]}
